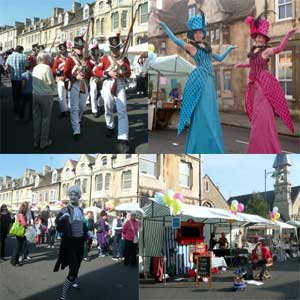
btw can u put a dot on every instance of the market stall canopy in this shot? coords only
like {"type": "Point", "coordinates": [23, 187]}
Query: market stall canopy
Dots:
{"type": "Point", "coordinates": [294, 223]}
{"type": "Point", "coordinates": [138, 49]}
{"type": "Point", "coordinates": [276, 224]}
{"type": "Point", "coordinates": [171, 65]}
{"type": "Point", "coordinates": [249, 218]}
{"type": "Point", "coordinates": [94, 209]}
{"type": "Point", "coordinates": [202, 213]}
{"type": "Point", "coordinates": [130, 207]}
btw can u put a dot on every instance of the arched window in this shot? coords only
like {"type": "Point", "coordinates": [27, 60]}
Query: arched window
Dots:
{"type": "Point", "coordinates": [84, 186]}
{"type": "Point", "coordinates": [208, 204]}
{"type": "Point", "coordinates": [31, 179]}
{"type": "Point", "coordinates": [37, 181]}
{"type": "Point", "coordinates": [54, 177]}
{"type": "Point", "coordinates": [99, 182]}
{"type": "Point", "coordinates": [86, 13]}
{"type": "Point", "coordinates": [82, 167]}
{"type": "Point", "coordinates": [66, 20]}
{"type": "Point", "coordinates": [107, 181]}
{"type": "Point", "coordinates": [104, 160]}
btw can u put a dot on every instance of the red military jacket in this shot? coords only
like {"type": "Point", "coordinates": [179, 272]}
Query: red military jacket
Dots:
{"type": "Point", "coordinates": [70, 70]}
{"type": "Point", "coordinates": [105, 64]}
{"type": "Point", "coordinates": [32, 60]}
{"type": "Point", "coordinates": [58, 66]}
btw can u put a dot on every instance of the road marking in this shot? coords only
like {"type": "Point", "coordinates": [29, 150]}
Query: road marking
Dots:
{"type": "Point", "coordinates": [241, 142]}
{"type": "Point", "coordinates": [246, 143]}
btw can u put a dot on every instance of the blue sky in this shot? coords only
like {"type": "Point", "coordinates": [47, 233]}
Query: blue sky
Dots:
{"type": "Point", "coordinates": [234, 174]}
{"type": "Point", "coordinates": [242, 174]}
{"type": "Point", "coordinates": [18, 10]}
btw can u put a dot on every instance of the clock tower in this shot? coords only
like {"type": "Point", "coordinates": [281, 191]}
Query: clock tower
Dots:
{"type": "Point", "coordinates": [282, 186]}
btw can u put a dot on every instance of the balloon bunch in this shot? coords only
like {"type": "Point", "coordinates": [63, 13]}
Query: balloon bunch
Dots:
{"type": "Point", "coordinates": [109, 205]}
{"type": "Point", "coordinates": [151, 55]}
{"type": "Point", "coordinates": [170, 199]}
{"type": "Point", "coordinates": [236, 207]}
{"type": "Point", "coordinates": [61, 204]}
{"type": "Point", "coordinates": [274, 214]}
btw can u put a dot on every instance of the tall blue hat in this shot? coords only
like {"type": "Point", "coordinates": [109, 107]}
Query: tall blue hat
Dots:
{"type": "Point", "coordinates": [196, 23]}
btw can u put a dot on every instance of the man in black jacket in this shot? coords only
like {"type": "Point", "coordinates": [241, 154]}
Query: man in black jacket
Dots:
{"type": "Point", "coordinates": [70, 222]}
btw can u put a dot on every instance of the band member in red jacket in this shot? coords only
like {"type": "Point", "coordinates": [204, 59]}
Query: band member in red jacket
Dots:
{"type": "Point", "coordinates": [115, 71]}
{"type": "Point", "coordinates": [58, 72]}
{"type": "Point", "coordinates": [94, 60]}
{"type": "Point", "coordinates": [33, 56]}
{"type": "Point", "coordinates": [261, 256]}
{"type": "Point", "coordinates": [76, 72]}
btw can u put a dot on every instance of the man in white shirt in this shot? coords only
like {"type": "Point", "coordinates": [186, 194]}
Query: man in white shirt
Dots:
{"type": "Point", "coordinates": [117, 226]}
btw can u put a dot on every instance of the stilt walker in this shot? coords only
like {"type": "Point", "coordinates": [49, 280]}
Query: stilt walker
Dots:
{"type": "Point", "coordinates": [58, 72]}
{"type": "Point", "coordinates": [199, 100]}
{"type": "Point", "coordinates": [76, 72]}
{"type": "Point", "coordinates": [264, 95]}
{"type": "Point", "coordinates": [70, 222]}
{"type": "Point", "coordinates": [115, 69]}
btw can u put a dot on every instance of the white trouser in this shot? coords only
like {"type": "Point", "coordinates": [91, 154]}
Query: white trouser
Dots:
{"type": "Point", "coordinates": [77, 105]}
{"type": "Point", "coordinates": [62, 95]}
{"type": "Point", "coordinates": [109, 102]}
{"type": "Point", "coordinates": [93, 95]}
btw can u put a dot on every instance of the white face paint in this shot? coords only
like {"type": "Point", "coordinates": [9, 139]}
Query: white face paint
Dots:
{"type": "Point", "coordinates": [74, 198]}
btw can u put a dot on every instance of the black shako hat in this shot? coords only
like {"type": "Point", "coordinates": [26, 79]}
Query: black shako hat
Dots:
{"type": "Point", "coordinates": [62, 47]}
{"type": "Point", "coordinates": [115, 42]}
{"type": "Point", "coordinates": [79, 42]}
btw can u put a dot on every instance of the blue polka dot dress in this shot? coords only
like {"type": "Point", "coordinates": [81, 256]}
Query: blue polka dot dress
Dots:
{"type": "Point", "coordinates": [200, 106]}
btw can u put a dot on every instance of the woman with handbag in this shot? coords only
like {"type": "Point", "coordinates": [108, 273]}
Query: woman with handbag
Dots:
{"type": "Point", "coordinates": [20, 221]}
{"type": "Point", "coordinates": [130, 235]}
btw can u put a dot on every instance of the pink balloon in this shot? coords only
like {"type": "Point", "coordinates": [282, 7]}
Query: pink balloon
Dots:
{"type": "Point", "coordinates": [178, 196]}
{"type": "Point", "coordinates": [241, 207]}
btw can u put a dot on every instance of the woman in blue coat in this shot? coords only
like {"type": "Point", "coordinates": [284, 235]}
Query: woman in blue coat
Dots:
{"type": "Point", "coordinates": [199, 100]}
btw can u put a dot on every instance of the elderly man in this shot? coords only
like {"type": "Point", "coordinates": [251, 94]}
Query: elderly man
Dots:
{"type": "Point", "coordinates": [43, 90]}
{"type": "Point", "coordinates": [15, 63]}
{"type": "Point", "coordinates": [70, 222]}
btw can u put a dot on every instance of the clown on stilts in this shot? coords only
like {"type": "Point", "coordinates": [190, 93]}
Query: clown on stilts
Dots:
{"type": "Point", "coordinates": [264, 95]}
{"type": "Point", "coordinates": [199, 100]}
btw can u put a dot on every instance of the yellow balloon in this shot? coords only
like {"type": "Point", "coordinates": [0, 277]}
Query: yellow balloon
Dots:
{"type": "Point", "coordinates": [151, 48]}
{"type": "Point", "coordinates": [277, 216]}
{"type": "Point", "coordinates": [234, 207]}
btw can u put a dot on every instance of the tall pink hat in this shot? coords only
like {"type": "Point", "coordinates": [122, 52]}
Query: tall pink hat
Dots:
{"type": "Point", "coordinates": [258, 26]}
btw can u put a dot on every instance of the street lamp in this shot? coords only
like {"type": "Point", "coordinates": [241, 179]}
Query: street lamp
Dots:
{"type": "Point", "coordinates": [200, 180]}
{"type": "Point", "coordinates": [267, 173]}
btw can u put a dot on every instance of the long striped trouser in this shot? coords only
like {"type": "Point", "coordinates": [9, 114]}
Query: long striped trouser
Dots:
{"type": "Point", "coordinates": [66, 287]}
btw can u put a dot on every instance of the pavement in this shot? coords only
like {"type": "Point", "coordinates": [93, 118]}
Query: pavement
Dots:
{"type": "Point", "coordinates": [17, 137]}
{"type": "Point", "coordinates": [101, 278]}
{"type": "Point", "coordinates": [235, 141]}
{"type": "Point", "coordinates": [284, 285]}
{"type": "Point", "coordinates": [242, 121]}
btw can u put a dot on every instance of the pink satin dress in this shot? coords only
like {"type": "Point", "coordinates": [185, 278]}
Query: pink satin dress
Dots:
{"type": "Point", "coordinates": [264, 98]}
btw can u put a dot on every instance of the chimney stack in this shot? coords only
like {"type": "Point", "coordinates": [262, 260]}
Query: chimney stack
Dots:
{"type": "Point", "coordinates": [76, 6]}
{"type": "Point", "coordinates": [27, 22]}
{"type": "Point", "coordinates": [46, 170]}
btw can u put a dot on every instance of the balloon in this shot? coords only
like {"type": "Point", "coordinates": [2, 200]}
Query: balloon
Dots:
{"type": "Point", "coordinates": [167, 200]}
{"type": "Point", "coordinates": [151, 48]}
{"type": "Point", "coordinates": [151, 57]}
{"type": "Point", "coordinates": [235, 202]}
{"type": "Point", "coordinates": [234, 207]}
{"type": "Point", "coordinates": [159, 198]}
{"type": "Point", "coordinates": [69, 44]}
{"type": "Point", "coordinates": [277, 216]}
{"type": "Point", "coordinates": [178, 196]}
{"type": "Point", "coordinates": [176, 206]}
{"type": "Point", "coordinates": [240, 207]}
{"type": "Point", "coordinates": [275, 209]}
{"type": "Point", "coordinates": [170, 193]}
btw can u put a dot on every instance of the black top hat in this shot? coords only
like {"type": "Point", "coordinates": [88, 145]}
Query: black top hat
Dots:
{"type": "Point", "coordinates": [79, 42]}
{"type": "Point", "coordinates": [62, 47]}
{"type": "Point", "coordinates": [35, 46]}
{"type": "Point", "coordinates": [114, 42]}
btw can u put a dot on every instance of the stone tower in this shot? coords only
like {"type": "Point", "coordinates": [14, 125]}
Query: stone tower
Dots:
{"type": "Point", "coordinates": [282, 186]}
